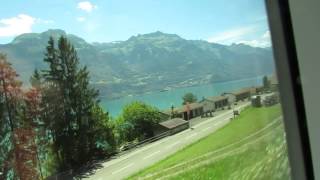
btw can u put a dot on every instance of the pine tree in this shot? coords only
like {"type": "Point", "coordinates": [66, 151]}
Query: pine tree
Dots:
{"type": "Point", "coordinates": [68, 105]}
{"type": "Point", "coordinates": [35, 79]}
{"type": "Point", "coordinates": [266, 83]}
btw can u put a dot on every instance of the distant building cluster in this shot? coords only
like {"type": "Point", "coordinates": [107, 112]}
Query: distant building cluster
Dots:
{"type": "Point", "coordinates": [178, 117]}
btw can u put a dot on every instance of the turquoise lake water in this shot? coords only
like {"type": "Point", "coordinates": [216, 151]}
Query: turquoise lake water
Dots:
{"type": "Point", "coordinates": [164, 100]}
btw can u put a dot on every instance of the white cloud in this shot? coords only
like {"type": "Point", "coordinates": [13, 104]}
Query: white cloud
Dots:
{"type": "Point", "coordinates": [86, 6]}
{"type": "Point", "coordinates": [255, 43]}
{"type": "Point", "coordinates": [266, 35]}
{"type": "Point", "coordinates": [44, 21]}
{"type": "Point", "coordinates": [242, 35]}
{"type": "Point", "coordinates": [231, 36]}
{"type": "Point", "coordinates": [16, 25]}
{"type": "Point", "coordinates": [81, 19]}
{"type": "Point", "coordinates": [263, 41]}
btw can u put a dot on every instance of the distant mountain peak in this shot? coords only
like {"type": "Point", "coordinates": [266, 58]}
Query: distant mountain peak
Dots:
{"type": "Point", "coordinates": [41, 39]}
{"type": "Point", "coordinates": [23, 37]}
{"type": "Point", "coordinates": [243, 45]}
{"type": "Point", "coordinates": [239, 44]}
{"type": "Point", "coordinates": [55, 32]}
{"type": "Point", "coordinates": [159, 33]}
{"type": "Point", "coordinates": [155, 36]}
{"type": "Point", "coordinates": [145, 62]}
{"type": "Point", "coordinates": [156, 33]}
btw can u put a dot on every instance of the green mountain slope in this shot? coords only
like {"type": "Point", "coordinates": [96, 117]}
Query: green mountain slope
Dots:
{"type": "Point", "coordinates": [146, 62]}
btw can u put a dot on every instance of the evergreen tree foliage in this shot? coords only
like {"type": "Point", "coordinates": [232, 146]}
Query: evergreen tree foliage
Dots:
{"type": "Point", "coordinates": [71, 113]}
{"type": "Point", "coordinates": [35, 79]}
{"type": "Point", "coordinates": [266, 83]}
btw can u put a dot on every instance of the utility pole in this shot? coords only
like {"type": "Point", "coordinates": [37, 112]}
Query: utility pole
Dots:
{"type": "Point", "coordinates": [172, 111]}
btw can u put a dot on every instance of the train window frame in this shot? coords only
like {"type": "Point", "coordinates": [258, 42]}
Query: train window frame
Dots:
{"type": "Point", "coordinates": [290, 88]}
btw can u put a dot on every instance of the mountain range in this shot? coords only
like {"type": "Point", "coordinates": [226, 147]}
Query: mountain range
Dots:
{"type": "Point", "coordinates": [146, 62]}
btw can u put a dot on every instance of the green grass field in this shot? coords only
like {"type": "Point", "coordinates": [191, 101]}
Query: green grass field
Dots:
{"type": "Point", "coordinates": [252, 146]}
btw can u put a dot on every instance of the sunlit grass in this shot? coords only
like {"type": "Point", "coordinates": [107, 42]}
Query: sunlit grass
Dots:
{"type": "Point", "coordinates": [250, 121]}
{"type": "Point", "coordinates": [266, 159]}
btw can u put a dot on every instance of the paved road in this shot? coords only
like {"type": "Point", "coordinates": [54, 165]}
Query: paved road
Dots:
{"type": "Point", "coordinates": [145, 156]}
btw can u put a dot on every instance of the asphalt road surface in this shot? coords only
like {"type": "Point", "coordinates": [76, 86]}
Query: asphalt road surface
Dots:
{"type": "Point", "coordinates": [147, 155]}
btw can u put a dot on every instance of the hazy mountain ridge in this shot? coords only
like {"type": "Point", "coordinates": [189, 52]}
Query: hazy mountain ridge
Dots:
{"type": "Point", "coordinates": [146, 62]}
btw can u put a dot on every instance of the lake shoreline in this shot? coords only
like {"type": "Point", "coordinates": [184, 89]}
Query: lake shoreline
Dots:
{"type": "Point", "coordinates": [164, 100]}
{"type": "Point", "coordinates": [174, 88]}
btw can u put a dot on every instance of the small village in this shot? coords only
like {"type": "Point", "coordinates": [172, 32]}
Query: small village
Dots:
{"type": "Point", "coordinates": [177, 119]}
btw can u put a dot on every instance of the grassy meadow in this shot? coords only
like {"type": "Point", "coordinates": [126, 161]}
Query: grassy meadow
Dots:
{"type": "Point", "coordinates": [252, 146]}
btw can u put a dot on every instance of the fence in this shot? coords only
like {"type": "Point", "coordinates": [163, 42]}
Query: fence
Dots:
{"type": "Point", "coordinates": [70, 174]}
{"type": "Point", "coordinates": [149, 140]}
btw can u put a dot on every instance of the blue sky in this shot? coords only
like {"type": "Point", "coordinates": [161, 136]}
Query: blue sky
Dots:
{"type": "Point", "coordinates": [221, 21]}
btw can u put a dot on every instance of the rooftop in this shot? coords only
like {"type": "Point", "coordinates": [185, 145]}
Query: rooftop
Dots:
{"type": "Point", "coordinates": [216, 98]}
{"type": "Point", "coordinates": [182, 108]}
{"type": "Point", "coordinates": [172, 123]}
{"type": "Point", "coordinates": [241, 91]}
{"type": "Point", "coordinates": [190, 106]}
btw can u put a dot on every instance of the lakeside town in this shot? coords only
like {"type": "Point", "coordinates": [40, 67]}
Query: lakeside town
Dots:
{"type": "Point", "coordinates": [61, 117]}
{"type": "Point", "coordinates": [187, 122]}
{"type": "Point", "coordinates": [177, 119]}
